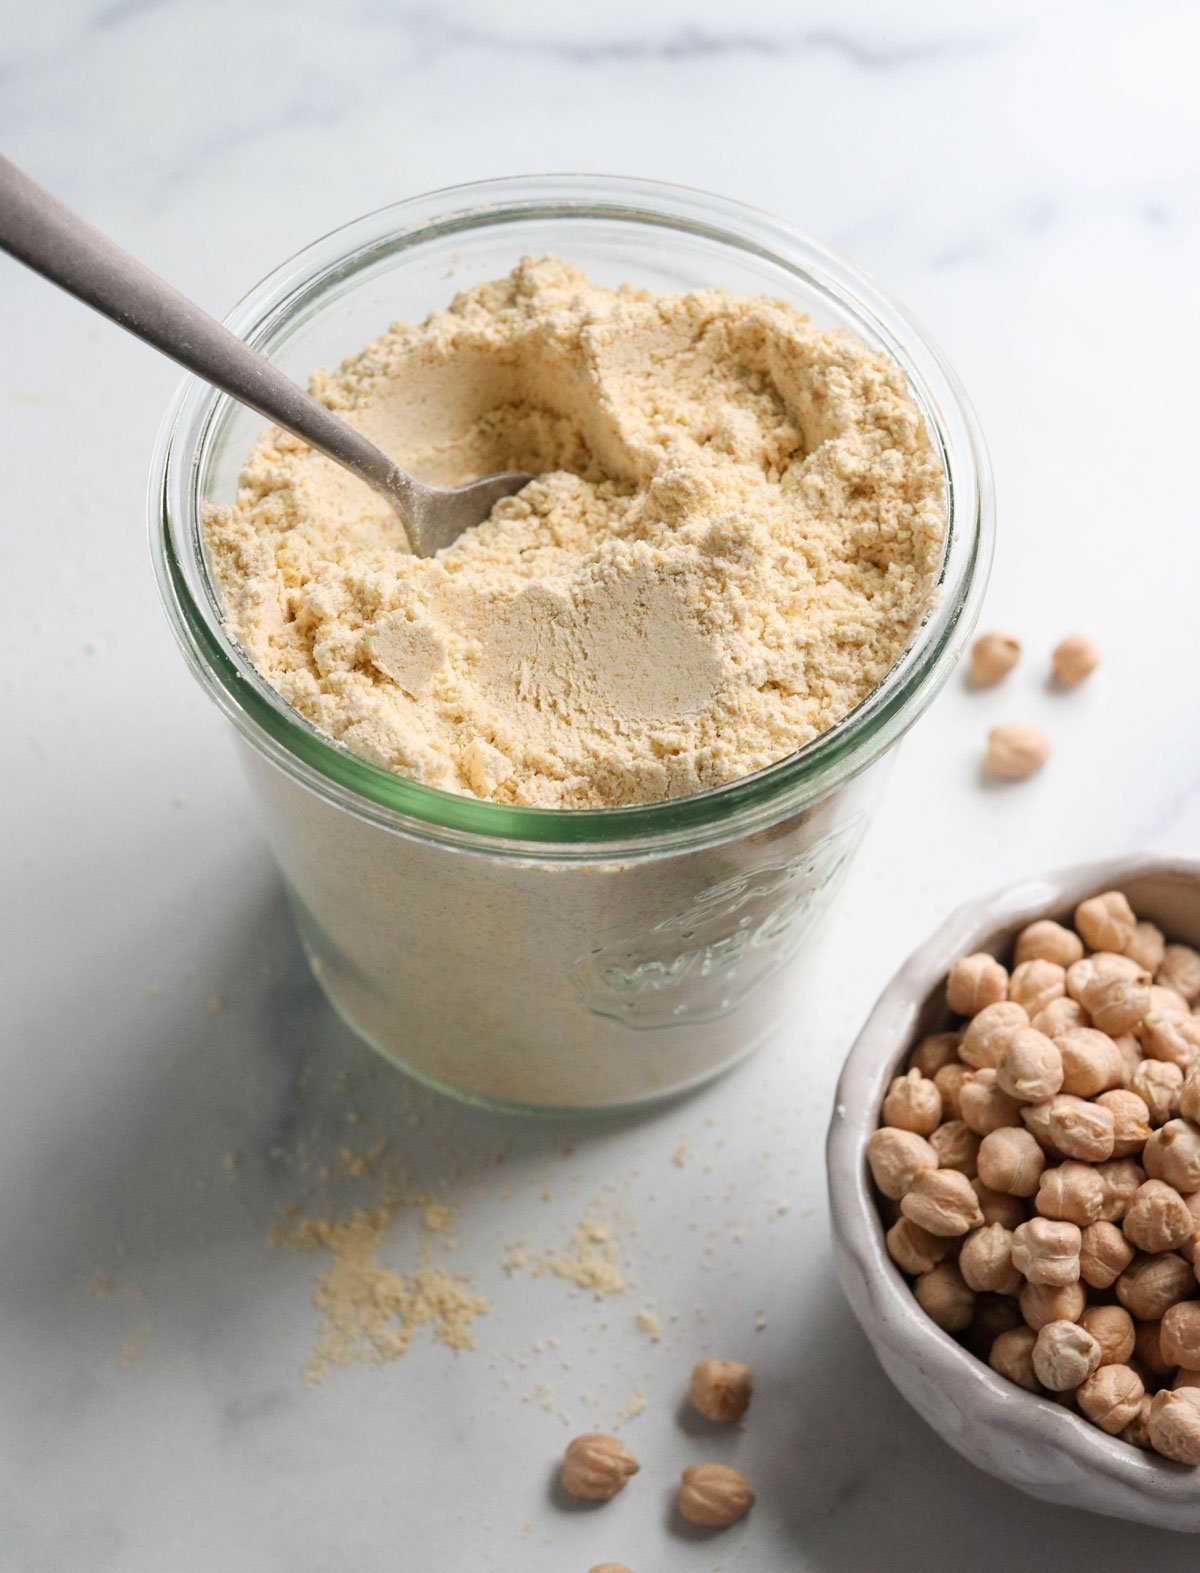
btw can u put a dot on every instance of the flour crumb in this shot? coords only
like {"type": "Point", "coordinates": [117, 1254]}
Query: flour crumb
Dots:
{"type": "Point", "coordinates": [635, 1405]}
{"type": "Point", "coordinates": [650, 1323]}
{"type": "Point", "coordinates": [132, 1350]}
{"type": "Point", "coordinates": [592, 1261]}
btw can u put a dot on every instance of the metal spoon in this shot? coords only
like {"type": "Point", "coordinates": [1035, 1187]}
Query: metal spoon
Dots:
{"type": "Point", "coordinates": [38, 230]}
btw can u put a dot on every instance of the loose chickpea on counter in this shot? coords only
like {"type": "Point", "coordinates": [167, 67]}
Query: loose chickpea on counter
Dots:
{"type": "Point", "coordinates": [993, 657]}
{"type": "Point", "coordinates": [721, 1389]}
{"type": "Point", "coordinates": [1043, 1155]}
{"type": "Point", "coordinates": [1016, 751]}
{"type": "Point", "coordinates": [714, 1496]}
{"type": "Point", "coordinates": [596, 1466]}
{"type": "Point", "coordinates": [1074, 659]}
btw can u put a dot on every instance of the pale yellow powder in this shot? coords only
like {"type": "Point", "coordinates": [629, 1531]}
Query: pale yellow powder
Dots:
{"type": "Point", "coordinates": [592, 1260]}
{"type": "Point", "coordinates": [371, 1314]}
{"type": "Point", "coordinates": [737, 524]}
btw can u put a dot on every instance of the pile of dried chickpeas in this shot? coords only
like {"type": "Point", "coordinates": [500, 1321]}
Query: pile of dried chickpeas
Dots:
{"type": "Point", "coordinates": [1039, 1168]}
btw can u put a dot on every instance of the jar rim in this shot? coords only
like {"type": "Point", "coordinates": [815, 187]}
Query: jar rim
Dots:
{"type": "Point", "coordinates": [735, 808]}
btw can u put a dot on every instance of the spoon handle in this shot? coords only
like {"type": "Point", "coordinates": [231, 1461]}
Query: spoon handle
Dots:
{"type": "Point", "coordinates": [38, 230]}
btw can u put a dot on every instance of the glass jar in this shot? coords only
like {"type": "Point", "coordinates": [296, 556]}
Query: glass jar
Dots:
{"type": "Point", "coordinates": [536, 958]}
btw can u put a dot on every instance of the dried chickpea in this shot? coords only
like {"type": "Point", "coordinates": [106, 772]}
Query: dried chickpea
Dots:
{"type": "Point", "coordinates": [1173, 1154]}
{"type": "Point", "coordinates": [1091, 1062]}
{"type": "Point", "coordinates": [1179, 1334]}
{"type": "Point", "coordinates": [1111, 1397]}
{"type": "Point", "coordinates": [1172, 1038]}
{"type": "Point", "coordinates": [1174, 1424]}
{"type": "Point", "coordinates": [957, 1147]}
{"type": "Point", "coordinates": [934, 1051]}
{"type": "Point", "coordinates": [942, 1201]}
{"type": "Point", "coordinates": [1012, 1356]}
{"type": "Point", "coordinates": [1121, 1178]}
{"type": "Point", "coordinates": [1130, 1050]}
{"type": "Point", "coordinates": [1166, 1002]}
{"type": "Point", "coordinates": [913, 1103]}
{"type": "Point", "coordinates": [993, 656]}
{"type": "Point", "coordinates": [994, 1314]}
{"type": "Point", "coordinates": [896, 1157]}
{"type": "Point", "coordinates": [1104, 1254]}
{"type": "Point", "coordinates": [1137, 1432]}
{"type": "Point", "coordinates": [1042, 1303]}
{"type": "Point", "coordinates": [1104, 965]}
{"type": "Point", "coordinates": [1158, 1219]}
{"type": "Point", "coordinates": [1061, 1015]}
{"type": "Point", "coordinates": [974, 983]}
{"type": "Point", "coordinates": [1072, 1191]}
{"type": "Point", "coordinates": [1131, 1120]}
{"type": "Point", "coordinates": [595, 1467]}
{"type": "Point", "coordinates": [714, 1495]}
{"type": "Point", "coordinates": [950, 1081]}
{"type": "Point", "coordinates": [1030, 1068]}
{"type": "Point", "coordinates": [1189, 1096]}
{"type": "Point", "coordinates": [1147, 946]}
{"type": "Point", "coordinates": [1191, 1200]}
{"type": "Point", "coordinates": [1106, 922]}
{"type": "Point", "coordinates": [1115, 1004]}
{"type": "Point", "coordinates": [720, 1390]}
{"type": "Point", "coordinates": [1010, 1160]}
{"type": "Point", "coordinates": [1112, 1328]}
{"type": "Point", "coordinates": [1036, 984]}
{"type": "Point", "coordinates": [1064, 1355]}
{"type": "Point", "coordinates": [1072, 1127]}
{"type": "Point", "coordinates": [985, 1106]}
{"type": "Point", "coordinates": [1016, 751]}
{"type": "Point", "coordinates": [914, 1250]}
{"type": "Point", "coordinates": [985, 1260]}
{"type": "Point", "coordinates": [986, 1034]}
{"type": "Point", "coordinates": [1180, 970]}
{"type": "Point", "coordinates": [1046, 940]}
{"type": "Point", "coordinates": [1151, 1285]}
{"type": "Point", "coordinates": [1046, 1251]}
{"type": "Point", "coordinates": [1158, 1084]}
{"type": "Point", "coordinates": [1148, 1344]}
{"type": "Point", "coordinates": [997, 1207]}
{"type": "Point", "coordinates": [1073, 659]}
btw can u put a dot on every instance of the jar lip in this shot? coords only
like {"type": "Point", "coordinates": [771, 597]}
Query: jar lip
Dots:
{"type": "Point", "coordinates": [735, 808]}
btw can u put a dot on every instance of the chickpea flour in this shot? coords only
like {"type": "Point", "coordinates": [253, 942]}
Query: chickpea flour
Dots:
{"type": "Point", "coordinates": [736, 526]}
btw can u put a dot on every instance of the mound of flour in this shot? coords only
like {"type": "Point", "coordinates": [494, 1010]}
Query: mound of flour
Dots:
{"type": "Point", "coordinates": [736, 525]}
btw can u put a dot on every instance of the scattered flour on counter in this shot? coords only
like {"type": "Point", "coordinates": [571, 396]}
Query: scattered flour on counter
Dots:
{"type": "Point", "coordinates": [370, 1313]}
{"type": "Point", "coordinates": [592, 1261]}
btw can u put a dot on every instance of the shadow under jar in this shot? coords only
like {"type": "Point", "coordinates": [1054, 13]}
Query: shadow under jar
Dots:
{"type": "Point", "coordinates": [546, 959]}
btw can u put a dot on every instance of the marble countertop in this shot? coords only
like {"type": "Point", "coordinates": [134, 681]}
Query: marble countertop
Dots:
{"type": "Point", "coordinates": [1026, 178]}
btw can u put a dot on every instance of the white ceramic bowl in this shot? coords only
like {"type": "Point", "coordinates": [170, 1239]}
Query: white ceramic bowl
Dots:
{"type": "Point", "coordinates": [1030, 1442]}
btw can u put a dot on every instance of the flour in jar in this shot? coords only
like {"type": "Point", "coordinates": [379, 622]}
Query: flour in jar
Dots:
{"type": "Point", "coordinates": [736, 526]}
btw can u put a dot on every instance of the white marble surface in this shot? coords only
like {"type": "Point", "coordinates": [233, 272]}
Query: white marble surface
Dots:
{"type": "Point", "coordinates": [1026, 178]}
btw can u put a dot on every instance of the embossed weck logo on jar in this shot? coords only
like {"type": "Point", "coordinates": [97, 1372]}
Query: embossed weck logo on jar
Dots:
{"type": "Point", "coordinates": [702, 962]}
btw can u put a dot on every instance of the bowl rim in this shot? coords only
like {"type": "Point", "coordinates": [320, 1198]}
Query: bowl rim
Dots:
{"type": "Point", "coordinates": [885, 1037]}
